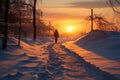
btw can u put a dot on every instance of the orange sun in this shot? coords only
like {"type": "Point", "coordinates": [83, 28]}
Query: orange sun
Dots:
{"type": "Point", "coordinates": [70, 28]}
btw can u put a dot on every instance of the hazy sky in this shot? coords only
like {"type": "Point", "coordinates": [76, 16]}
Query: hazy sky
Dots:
{"type": "Point", "coordinates": [75, 3]}
{"type": "Point", "coordinates": [73, 12]}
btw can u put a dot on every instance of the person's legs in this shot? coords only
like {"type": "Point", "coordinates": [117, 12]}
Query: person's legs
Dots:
{"type": "Point", "coordinates": [56, 39]}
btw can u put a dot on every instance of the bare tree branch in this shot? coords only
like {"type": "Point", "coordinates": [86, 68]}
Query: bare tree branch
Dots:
{"type": "Point", "coordinates": [115, 4]}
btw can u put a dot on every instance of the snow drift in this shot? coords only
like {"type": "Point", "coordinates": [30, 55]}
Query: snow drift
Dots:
{"type": "Point", "coordinates": [100, 48]}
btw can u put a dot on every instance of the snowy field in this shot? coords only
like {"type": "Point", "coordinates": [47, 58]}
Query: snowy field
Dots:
{"type": "Point", "coordinates": [101, 49]}
{"type": "Point", "coordinates": [94, 56]}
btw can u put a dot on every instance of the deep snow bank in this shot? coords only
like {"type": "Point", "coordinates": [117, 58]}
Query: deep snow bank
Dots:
{"type": "Point", "coordinates": [103, 50]}
{"type": "Point", "coordinates": [92, 36]}
{"type": "Point", "coordinates": [103, 43]}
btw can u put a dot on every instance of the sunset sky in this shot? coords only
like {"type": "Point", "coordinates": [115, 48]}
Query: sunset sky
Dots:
{"type": "Point", "coordinates": [64, 13]}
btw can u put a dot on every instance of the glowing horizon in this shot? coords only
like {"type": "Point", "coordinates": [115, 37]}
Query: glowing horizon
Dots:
{"type": "Point", "coordinates": [65, 13]}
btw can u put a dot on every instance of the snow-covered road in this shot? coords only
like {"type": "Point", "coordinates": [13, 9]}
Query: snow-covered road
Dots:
{"type": "Point", "coordinates": [47, 62]}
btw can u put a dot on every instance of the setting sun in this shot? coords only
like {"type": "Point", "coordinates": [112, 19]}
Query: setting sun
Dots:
{"type": "Point", "coordinates": [69, 28]}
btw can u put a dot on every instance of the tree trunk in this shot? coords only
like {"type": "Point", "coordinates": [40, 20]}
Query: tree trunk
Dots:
{"type": "Point", "coordinates": [5, 35]}
{"type": "Point", "coordinates": [34, 20]}
{"type": "Point", "coordinates": [20, 29]}
{"type": "Point", "coordinates": [115, 8]}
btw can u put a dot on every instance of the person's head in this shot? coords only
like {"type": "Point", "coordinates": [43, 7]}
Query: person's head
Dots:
{"type": "Point", "coordinates": [56, 30]}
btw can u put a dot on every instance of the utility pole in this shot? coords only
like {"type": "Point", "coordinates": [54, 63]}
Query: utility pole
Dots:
{"type": "Point", "coordinates": [91, 19]}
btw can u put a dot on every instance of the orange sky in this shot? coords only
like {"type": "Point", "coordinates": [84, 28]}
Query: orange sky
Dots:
{"type": "Point", "coordinates": [69, 13]}
{"type": "Point", "coordinates": [63, 17]}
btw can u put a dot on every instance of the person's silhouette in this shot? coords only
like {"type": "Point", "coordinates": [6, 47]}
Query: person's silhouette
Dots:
{"type": "Point", "coordinates": [56, 35]}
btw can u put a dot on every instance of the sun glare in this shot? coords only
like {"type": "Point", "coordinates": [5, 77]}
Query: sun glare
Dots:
{"type": "Point", "coordinates": [70, 28]}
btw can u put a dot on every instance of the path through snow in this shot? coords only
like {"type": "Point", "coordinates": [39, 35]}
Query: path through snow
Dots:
{"type": "Point", "coordinates": [55, 62]}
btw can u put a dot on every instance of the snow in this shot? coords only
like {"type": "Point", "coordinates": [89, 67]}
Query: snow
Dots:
{"type": "Point", "coordinates": [94, 56]}
{"type": "Point", "coordinates": [18, 62]}
{"type": "Point", "coordinates": [100, 49]}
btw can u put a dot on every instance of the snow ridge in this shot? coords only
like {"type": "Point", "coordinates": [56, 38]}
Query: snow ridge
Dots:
{"type": "Point", "coordinates": [92, 69]}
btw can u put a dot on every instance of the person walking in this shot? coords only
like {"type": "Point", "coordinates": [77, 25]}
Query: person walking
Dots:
{"type": "Point", "coordinates": [56, 35]}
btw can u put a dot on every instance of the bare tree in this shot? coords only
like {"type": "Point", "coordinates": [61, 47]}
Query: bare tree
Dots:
{"type": "Point", "coordinates": [6, 24]}
{"type": "Point", "coordinates": [101, 22]}
{"type": "Point", "coordinates": [33, 4]}
{"type": "Point", "coordinates": [115, 4]}
{"type": "Point", "coordinates": [16, 13]}
{"type": "Point", "coordinates": [34, 20]}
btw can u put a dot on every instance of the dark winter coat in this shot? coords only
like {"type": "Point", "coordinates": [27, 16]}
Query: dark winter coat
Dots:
{"type": "Point", "coordinates": [56, 34]}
